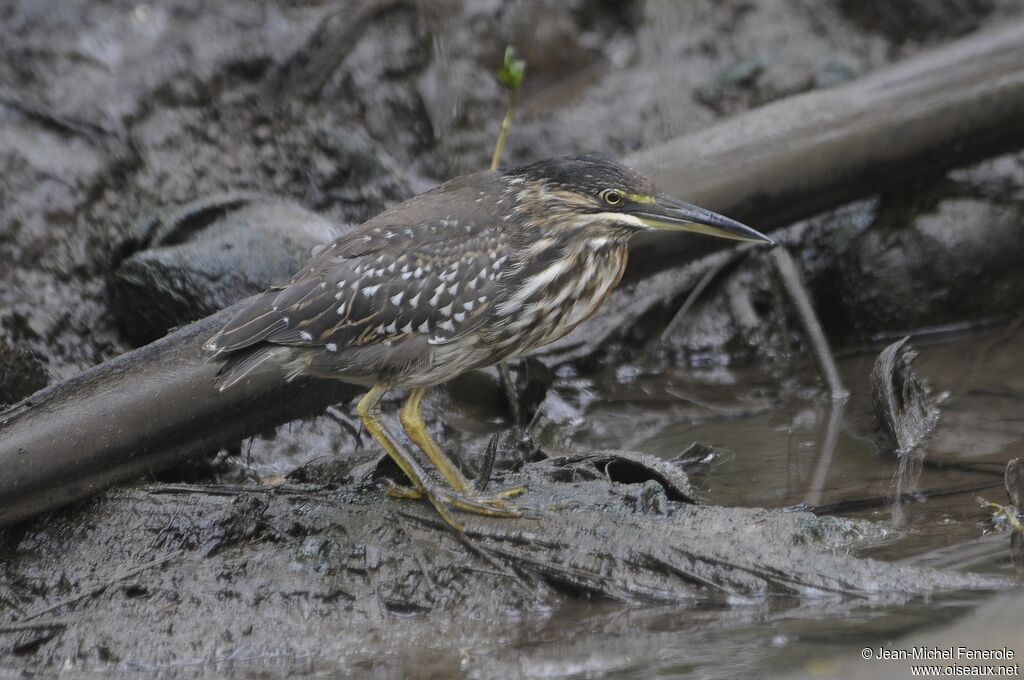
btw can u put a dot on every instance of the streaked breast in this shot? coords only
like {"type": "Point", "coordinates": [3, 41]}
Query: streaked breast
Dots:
{"type": "Point", "coordinates": [549, 303]}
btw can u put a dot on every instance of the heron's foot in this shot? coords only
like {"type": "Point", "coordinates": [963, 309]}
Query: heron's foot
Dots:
{"type": "Point", "coordinates": [445, 500]}
{"type": "Point", "coordinates": [409, 493]}
{"type": "Point", "coordinates": [511, 492]}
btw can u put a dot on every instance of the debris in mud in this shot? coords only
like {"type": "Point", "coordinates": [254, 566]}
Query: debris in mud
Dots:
{"type": "Point", "coordinates": [1012, 514]}
{"type": "Point", "coordinates": [901, 399]}
{"type": "Point", "coordinates": [696, 460]}
{"type": "Point", "coordinates": [623, 467]}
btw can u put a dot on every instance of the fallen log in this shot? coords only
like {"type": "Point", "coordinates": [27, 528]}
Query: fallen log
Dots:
{"type": "Point", "coordinates": [156, 405]}
{"type": "Point", "coordinates": [127, 417]}
{"type": "Point", "coordinates": [787, 160]}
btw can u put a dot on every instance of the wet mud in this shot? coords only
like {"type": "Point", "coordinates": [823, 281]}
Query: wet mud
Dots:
{"type": "Point", "coordinates": [215, 567]}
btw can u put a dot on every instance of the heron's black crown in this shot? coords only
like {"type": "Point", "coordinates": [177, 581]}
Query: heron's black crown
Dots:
{"type": "Point", "coordinates": [611, 185]}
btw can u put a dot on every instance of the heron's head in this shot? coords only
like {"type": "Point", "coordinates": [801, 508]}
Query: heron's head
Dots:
{"type": "Point", "coordinates": [594, 192]}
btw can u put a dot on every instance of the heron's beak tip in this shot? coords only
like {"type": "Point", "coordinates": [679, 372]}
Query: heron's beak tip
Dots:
{"type": "Point", "coordinates": [674, 215]}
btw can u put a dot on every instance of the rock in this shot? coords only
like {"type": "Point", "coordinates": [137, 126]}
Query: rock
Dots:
{"type": "Point", "coordinates": [920, 257]}
{"type": "Point", "coordinates": [206, 255]}
{"type": "Point", "coordinates": [21, 374]}
{"type": "Point", "coordinates": [731, 83]}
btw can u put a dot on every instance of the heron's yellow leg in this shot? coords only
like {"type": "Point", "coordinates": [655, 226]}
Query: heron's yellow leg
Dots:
{"type": "Point", "coordinates": [442, 499]}
{"type": "Point", "coordinates": [416, 429]}
{"type": "Point", "coordinates": [368, 409]}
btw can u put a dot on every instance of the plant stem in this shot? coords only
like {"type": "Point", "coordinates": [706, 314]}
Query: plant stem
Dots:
{"type": "Point", "coordinates": [503, 133]}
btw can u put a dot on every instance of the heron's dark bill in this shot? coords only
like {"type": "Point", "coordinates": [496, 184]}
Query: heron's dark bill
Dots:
{"type": "Point", "coordinates": [671, 214]}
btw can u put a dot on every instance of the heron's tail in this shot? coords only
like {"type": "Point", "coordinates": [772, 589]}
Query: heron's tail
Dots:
{"type": "Point", "coordinates": [255, 360]}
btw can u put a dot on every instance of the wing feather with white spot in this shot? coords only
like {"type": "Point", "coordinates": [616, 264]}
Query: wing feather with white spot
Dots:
{"type": "Point", "coordinates": [381, 283]}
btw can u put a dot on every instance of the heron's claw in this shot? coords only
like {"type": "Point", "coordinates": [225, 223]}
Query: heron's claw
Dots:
{"type": "Point", "coordinates": [445, 500]}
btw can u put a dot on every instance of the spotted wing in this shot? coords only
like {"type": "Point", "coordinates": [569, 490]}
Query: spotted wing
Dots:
{"type": "Point", "coordinates": [382, 282]}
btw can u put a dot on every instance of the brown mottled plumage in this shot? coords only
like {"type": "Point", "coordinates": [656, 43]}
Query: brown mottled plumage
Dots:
{"type": "Point", "coordinates": [482, 268]}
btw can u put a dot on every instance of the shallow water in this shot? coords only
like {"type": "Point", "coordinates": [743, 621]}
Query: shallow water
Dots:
{"type": "Point", "coordinates": [787, 447]}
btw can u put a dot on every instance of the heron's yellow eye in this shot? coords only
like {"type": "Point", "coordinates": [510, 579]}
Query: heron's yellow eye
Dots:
{"type": "Point", "coordinates": [612, 196]}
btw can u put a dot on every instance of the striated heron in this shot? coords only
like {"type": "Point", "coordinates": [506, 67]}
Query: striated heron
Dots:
{"type": "Point", "coordinates": [485, 267]}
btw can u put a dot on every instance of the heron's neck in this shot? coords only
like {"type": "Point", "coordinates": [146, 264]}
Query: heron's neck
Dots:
{"type": "Point", "coordinates": [555, 269]}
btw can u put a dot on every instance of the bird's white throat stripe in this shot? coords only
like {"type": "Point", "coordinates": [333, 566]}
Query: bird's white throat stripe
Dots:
{"type": "Point", "coordinates": [616, 218]}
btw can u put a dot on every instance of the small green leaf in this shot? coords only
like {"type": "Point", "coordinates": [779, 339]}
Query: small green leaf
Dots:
{"type": "Point", "coordinates": [512, 71]}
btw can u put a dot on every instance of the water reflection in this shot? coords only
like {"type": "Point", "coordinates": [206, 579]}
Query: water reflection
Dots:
{"type": "Point", "coordinates": [825, 450]}
{"type": "Point", "coordinates": [787, 447]}
{"type": "Point", "coordinates": [906, 485]}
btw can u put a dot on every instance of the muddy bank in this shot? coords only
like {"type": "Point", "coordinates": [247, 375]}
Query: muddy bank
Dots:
{"type": "Point", "coordinates": [335, 565]}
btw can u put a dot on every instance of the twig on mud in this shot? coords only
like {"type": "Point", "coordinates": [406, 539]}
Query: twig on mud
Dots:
{"type": "Point", "coordinates": [354, 428]}
{"type": "Point", "coordinates": [479, 551]}
{"type": "Point", "coordinates": [488, 463]}
{"type": "Point", "coordinates": [31, 625]}
{"type": "Point", "coordinates": [1006, 334]}
{"type": "Point", "coordinates": [789, 583]}
{"type": "Point", "coordinates": [516, 537]}
{"type": "Point", "coordinates": [581, 579]}
{"type": "Point", "coordinates": [89, 130]}
{"type": "Point", "coordinates": [96, 590]}
{"type": "Point", "coordinates": [690, 576]}
{"type": "Point", "coordinates": [602, 585]}
{"type": "Point", "coordinates": [485, 554]}
{"type": "Point", "coordinates": [307, 490]}
{"type": "Point", "coordinates": [710, 275]}
{"type": "Point", "coordinates": [419, 557]}
{"type": "Point", "coordinates": [157, 543]}
{"type": "Point", "coordinates": [786, 269]}
{"type": "Point", "coordinates": [477, 570]}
